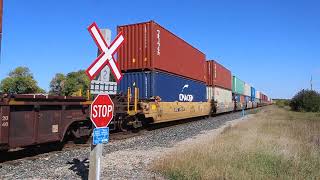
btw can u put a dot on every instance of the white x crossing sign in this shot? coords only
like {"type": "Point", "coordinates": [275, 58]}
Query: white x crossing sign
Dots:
{"type": "Point", "coordinates": [106, 56]}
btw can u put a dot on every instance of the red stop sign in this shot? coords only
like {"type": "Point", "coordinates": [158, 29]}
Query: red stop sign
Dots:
{"type": "Point", "coordinates": [102, 110]}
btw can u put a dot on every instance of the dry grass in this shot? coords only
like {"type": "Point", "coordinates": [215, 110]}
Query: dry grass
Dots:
{"type": "Point", "coordinates": [272, 144]}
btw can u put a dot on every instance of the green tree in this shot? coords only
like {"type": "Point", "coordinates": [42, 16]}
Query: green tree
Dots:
{"type": "Point", "coordinates": [76, 81]}
{"type": "Point", "coordinates": [70, 84]}
{"type": "Point", "coordinates": [20, 81]}
{"type": "Point", "coordinates": [57, 84]}
{"type": "Point", "coordinates": [306, 100]}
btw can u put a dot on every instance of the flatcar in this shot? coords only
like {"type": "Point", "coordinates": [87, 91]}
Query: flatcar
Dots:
{"type": "Point", "coordinates": [35, 119]}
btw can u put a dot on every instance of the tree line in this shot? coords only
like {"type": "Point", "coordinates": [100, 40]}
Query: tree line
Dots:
{"type": "Point", "coordinates": [21, 81]}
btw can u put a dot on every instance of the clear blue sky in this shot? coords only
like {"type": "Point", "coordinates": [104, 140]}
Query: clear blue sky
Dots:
{"type": "Point", "coordinates": [273, 45]}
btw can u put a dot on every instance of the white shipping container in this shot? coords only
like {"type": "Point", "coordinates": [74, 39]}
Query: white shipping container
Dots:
{"type": "Point", "coordinates": [247, 90]}
{"type": "Point", "coordinates": [258, 95]}
{"type": "Point", "coordinates": [249, 105]}
{"type": "Point", "coordinates": [223, 98]}
{"type": "Point", "coordinates": [222, 95]}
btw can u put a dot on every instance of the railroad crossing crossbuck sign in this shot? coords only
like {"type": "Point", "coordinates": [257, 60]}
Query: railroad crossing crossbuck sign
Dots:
{"type": "Point", "coordinates": [106, 57]}
{"type": "Point", "coordinates": [102, 110]}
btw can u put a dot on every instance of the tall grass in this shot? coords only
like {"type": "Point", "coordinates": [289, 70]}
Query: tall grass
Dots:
{"type": "Point", "coordinates": [273, 144]}
{"type": "Point", "coordinates": [282, 102]}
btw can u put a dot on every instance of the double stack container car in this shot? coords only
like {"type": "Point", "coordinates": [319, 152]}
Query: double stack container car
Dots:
{"type": "Point", "coordinates": [253, 97]}
{"type": "Point", "coordinates": [247, 96]}
{"type": "Point", "coordinates": [163, 67]}
{"type": "Point", "coordinates": [219, 87]}
{"type": "Point", "coordinates": [238, 93]}
{"type": "Point", "coordinates": [264, 99]}
{"type": "Point", "coordinates": [258, 97]}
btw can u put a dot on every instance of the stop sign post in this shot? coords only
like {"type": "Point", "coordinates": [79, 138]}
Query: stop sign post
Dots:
{"type": "Point", "coordinates": [101, 114]}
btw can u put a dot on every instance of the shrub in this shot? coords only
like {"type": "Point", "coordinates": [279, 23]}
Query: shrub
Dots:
{"type": "Point", "coordinates": [306, 100]}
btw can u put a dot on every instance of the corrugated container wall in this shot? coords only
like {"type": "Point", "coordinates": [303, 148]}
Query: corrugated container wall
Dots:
{"type": "Point", "coordinates": [258, 94]}
{"type": "Point", "coordinates": [217, 75]}
{"type": "Point", "coordinates": [209, 90]}
{"type": "Point", "coordinates": [263, 97]}
{"type": "Point", "coordinates": [220, 95]}
{"type": "Point", "coordinates": [148, 46]}
{"type": "Point", "coordinates": [237, 85]}
{"type": "Point", "coordinates": [253, 94]}
{"type": "Point", "coordinates": [168, 86]}
{"type": "Point", "coordinates": [247, 89]}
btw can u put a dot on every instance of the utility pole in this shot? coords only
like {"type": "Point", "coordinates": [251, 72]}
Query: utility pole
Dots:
{"type": "Point", "coordinates": [311, 82]}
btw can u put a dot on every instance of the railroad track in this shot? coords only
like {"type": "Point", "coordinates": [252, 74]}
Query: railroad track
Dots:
{"type": "Point", "coordinates": [41, 151]}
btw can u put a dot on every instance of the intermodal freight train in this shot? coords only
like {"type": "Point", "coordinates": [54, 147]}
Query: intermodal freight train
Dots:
{"type": "Point", "coordinates": [165, 79]}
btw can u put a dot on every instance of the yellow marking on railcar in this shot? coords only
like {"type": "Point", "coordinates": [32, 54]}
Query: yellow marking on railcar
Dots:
{"type": "Point", "coordinates": [170, 111]}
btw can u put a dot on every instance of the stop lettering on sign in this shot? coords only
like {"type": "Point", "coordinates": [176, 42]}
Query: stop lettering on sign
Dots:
{"type": "Point", "coordinates": [102, 111]}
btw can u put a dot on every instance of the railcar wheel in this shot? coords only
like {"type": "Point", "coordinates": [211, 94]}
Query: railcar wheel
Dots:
{"type": "Point", "coordinates": [122, 125]}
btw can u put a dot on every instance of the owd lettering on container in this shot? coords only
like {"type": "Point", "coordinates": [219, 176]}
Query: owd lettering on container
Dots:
{"type": "Point", "coordinates": [168, 86]}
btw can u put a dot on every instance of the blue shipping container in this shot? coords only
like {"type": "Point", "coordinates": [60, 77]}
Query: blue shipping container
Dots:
{"type": "Point", "coordinates": [169, 87]}
{"type": "Point", "coordinates": [253, 94]}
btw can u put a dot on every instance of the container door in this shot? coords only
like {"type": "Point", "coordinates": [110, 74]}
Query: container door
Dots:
{"type": "Point", "coordinates": [22, 126]}
{"type": "Point", "coordinates": [49, 123]}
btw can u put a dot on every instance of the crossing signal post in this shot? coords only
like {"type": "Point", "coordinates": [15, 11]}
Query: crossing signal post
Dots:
{"type": "Point", "coordinates": [101, 110]}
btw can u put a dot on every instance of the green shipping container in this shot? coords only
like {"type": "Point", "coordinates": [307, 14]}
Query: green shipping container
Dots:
{"type": "Point", "coordinates": [237, 85]}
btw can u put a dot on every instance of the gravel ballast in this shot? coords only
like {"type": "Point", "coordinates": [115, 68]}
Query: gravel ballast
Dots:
{"type": "Point", "coordinates": [122, 159]}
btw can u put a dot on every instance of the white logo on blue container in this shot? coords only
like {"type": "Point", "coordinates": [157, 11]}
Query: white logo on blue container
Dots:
{"type": "Point", "coordinates": [185, 97]}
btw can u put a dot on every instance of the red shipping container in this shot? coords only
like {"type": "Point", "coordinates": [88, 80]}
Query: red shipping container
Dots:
{"type": "Point", "coordinates": [217, 75]}
{"type": "Point", "coordinates": [148, 46]}
{"type": "Point", "coordinates": [264, 97]}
